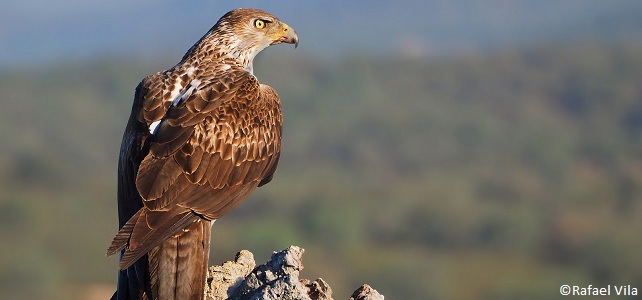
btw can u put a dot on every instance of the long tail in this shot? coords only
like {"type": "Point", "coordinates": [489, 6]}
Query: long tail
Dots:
{"type": "Point", "coordinates": [173, 270]}
{"type": "Point", "coordinates": [178, 266]}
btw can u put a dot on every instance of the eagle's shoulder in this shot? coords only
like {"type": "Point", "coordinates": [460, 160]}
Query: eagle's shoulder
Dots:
{"type": "Point", "coordinates": [156, 92]}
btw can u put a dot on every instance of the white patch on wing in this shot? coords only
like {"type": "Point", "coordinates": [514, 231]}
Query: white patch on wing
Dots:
{"type": "Point", "coordinates": [177, 95]}
{"type": "Point", "coordinates": [176, 92]}
{"type": "Point", "coordinates": [192, 85]}
{"type": "Point", "coordinates": [154, 126]}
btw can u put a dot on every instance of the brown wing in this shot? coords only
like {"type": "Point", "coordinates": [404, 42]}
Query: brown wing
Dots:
{"type": "Point", "coordinates": [209, 153]}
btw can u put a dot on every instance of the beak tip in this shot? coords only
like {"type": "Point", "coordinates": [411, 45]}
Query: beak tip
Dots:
{"type": "Point", "coordinates": [289, 36]}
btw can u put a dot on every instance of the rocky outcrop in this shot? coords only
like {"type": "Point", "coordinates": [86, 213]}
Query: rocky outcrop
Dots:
{"type": "Point", "coordinates": [279, 279]}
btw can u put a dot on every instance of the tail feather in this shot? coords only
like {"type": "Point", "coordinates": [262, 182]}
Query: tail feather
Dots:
{"type": "Point", "coordinates": [178, 266]}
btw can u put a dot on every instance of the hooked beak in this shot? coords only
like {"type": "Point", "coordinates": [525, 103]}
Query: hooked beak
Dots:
{"type": "Point", "coordinates": [288, 35]}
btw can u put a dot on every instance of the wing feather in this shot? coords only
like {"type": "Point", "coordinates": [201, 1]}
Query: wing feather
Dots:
{"type": "Point", "coordinates": [180, 186]}
{"type": "Point", "coordinates": [156, 175]}
{"type": "Point", "coordinates": [209, 153]}
{"type": "Point", "coordinates": [189, 157]}
{"type": "Point", "coordinates": [185, 117]}
{"type": "Point", "coordinates": [219, 172]}
{"type": "Point", "coordinates": [142, 237]}
{"type": "Point", "coordinates": [198, 175]}
{"type": "Point", "coordinates": [120, 240]}
{"type": "Point", "coordinates": [169, 139]}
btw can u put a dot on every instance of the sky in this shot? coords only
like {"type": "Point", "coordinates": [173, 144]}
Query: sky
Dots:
{"type": "Point", "coordinates": [39, 31]}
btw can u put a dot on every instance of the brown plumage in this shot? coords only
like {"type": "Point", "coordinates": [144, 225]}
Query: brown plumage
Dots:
{"type": "Point", "coordinates": [201, 137]}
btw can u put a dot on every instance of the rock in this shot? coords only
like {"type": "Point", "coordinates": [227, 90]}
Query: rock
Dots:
{"type": "Point", "coordinates": [223, 280]}
{"type": "Point", "coordinates": [319, 290]}
{"type": "Point", "coordinates": [365, 292]}
{"type": "Point", "coordinates": [276, 279]}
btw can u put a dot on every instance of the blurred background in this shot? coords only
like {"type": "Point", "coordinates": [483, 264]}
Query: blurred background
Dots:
{"type": "Point", "coordinates": [433, 149]}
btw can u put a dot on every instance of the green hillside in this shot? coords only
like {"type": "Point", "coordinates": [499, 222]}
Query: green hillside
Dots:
{"type": "Point", "coordinates": [470, 177]}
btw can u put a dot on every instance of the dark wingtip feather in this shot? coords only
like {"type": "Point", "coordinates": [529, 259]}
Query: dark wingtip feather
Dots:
{"type": "Point", "coordinates": [153, 238]}
{"type": "Point", "coordinates": [122, 237]}
{"type": "Point", "coordinates": [117, 244]}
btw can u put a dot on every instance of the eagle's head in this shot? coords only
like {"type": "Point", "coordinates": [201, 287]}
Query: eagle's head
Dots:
{"type": "Point", "coordinates": [242, 33]}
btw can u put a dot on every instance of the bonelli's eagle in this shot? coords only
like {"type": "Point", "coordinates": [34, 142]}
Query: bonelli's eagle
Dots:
{"type": "Point", "coordinates": [201, 137]}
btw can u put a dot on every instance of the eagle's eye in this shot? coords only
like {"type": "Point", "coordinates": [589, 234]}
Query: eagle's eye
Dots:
{"type": "Point", "coordinates": [260, 24]}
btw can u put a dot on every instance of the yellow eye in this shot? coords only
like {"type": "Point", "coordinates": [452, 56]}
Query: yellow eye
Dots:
{"type": "Point", "coordinates": [260, 24]}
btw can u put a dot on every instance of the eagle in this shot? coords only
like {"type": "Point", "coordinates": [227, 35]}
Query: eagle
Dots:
{"type": "Point", "coordinates": [201, 137]}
